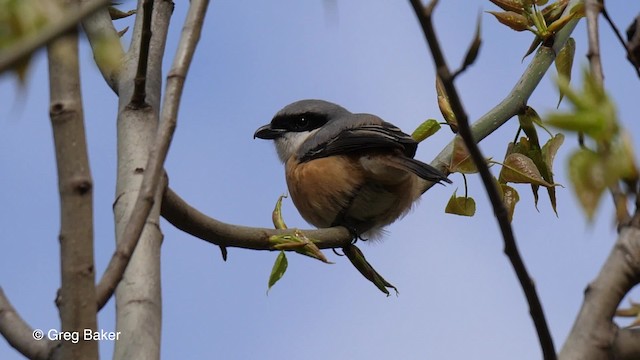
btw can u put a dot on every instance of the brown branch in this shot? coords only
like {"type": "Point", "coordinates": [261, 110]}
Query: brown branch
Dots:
{"type": "Point", "coordinates": [140, 81]}
{"type": "Point", "coordinates": [20, 335]}
{"type": "Point", "coordinates": [632, 59]}
{"type": "Point", "coordinates": [627, 344]}
{"type": "Point", "coordinates": [510, 246]}
{"type": "Point", "coordinates": [633, 43]}
{"type": "Point", "coordinates": [154, 169]}
{"type": "Point", "coordinates": [188, 219]}
{"type": "Point", "coordinates": [594, 336]}
{"type": "Point", "coordinates": [77, 292]}
{"type": "Point", "coordinates": [9, 57]}
{"type": "Point", "coordinates": [592, 10]}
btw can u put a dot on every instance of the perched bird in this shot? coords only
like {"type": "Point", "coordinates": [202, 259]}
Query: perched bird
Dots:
{"type": "Point", "coordinates": [354, 170]}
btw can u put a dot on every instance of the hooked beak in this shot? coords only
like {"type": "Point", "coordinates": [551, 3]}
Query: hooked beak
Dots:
{"type": "Point", "coordinates": [267, 133]}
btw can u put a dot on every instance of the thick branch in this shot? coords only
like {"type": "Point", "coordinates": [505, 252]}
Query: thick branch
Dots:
{"type": "Point", "coordinates": [77, 293]}
{"type": "Point", "coordinates": [190, 220]}
{"type": "Point", "coordinates": [594, 336]}
{"type": "Point", "coordinates": [158, 153]}
{"type": "Point", "coordinates": [9, 57]}
{"type": "Point", "coordinates": [19, 334]}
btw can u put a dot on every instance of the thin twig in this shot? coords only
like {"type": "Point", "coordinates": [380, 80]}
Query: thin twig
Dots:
{"type": "Point", "coordinates": [9, 57]}
{"type": "Point", "coordinates": [510, 246]}
{"type": "Point", "coordinates": [592, 10]}
{"type": "Point", "coordinates": [154, 170]}
{"type": "Point", "coordinates": [630, 56]}
{"type": "Point", "coordinates": [138, 99]}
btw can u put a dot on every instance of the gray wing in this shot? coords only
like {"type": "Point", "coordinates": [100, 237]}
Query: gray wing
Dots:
{"type": "Point", "coordinates": [357, 133]}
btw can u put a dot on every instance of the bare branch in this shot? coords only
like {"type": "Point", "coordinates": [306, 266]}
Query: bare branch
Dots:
{"type": "Point", "coordinates": [158, 153]}
{"type": "Point", "coordinates": [632, 59]}
{"type": "Point", "coordinates": [510, 247]}
{"type": "Point", "coordinates": [140, 81]}
{"type": "Point", "coordinates": [77, 293]}
{"type": "Point", "coordinates": [627, 344]}
{"type": "Point", "coordinates": [633, 43]}
{"type": "Point", "coordinates": [594, 336]}
{"type": "Point", "coordinates": [20, 335]}
{"type": "Point", "coordinates": [592, 10]}
{"type": "Point", "coordinates": [190, 220]}
{"type": "Point", "coordinates": [11, 56]}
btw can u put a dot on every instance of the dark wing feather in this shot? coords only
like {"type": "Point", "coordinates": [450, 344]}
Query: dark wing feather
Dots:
{"type": "Point", "coordinates": [364, 137]}
{"type": "Point", "coordinates": [421, 169]}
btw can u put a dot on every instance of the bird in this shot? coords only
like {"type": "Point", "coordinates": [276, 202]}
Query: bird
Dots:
{"type": "Point", "coordinates": [347, 169]}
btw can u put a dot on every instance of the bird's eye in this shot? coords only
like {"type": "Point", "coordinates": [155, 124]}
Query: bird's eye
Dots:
{"type": "Point", "coordinates": [301, 124]}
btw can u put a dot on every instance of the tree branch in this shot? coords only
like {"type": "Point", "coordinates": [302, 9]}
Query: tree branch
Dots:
{"type": "Point", "coordinates": [188, 219]}
{"type": "Point", "coordinates": [140, 126]}
{"type": "Point", "coordinates": [77, 293]}
{"type": "Point", "coordinates": [20, 335]}
{"type": "Point", "coordinates": [594, 336]}
{"type": "Point", "coordinates": [158, 153]}
{"type": "Point", "coordinates": [424, 15]}
{"type": "Point", "coordinates": [592, 10]}
{"type": "Point", "coordinates": [9, 57]}
{"type": "Point", "coordinates": [627, 344]}
{"type": "Point", "coordinates": [140, 81]}
{"type": "Point", "coordinates": [632, 60]}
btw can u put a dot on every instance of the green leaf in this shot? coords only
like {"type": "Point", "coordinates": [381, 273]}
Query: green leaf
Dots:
{"type": "Point", "coordinates": [549, 150]}
{"type": "Point", "coordinates": [510, 198]}
{"type": "Point", "coordinates": [509, 5]}
{"type": "Point", "coordinates": [518, 168]}
{"type": "Point", "coordinates": [364, 267]}
{"type": "Point", "coordinates": [445, 106]}
{"type": "Point", "coordinates": [474, 47]}
{"type": "Point", "coordinates": [299, 243]}
{"type": "Point", "coordinates": [588, 176]}
{"type": "Point", "coordinates": [527, 118]}
{"type": "Point", "coordinates": [534, 45]}
{"type": "Point", "coordinates": [460, 159]}
{"type": "Point", "coordinates": [276, 215]}
{"type": "Point", "coordinates": [425, 130]}
{"type": "Point", "coordinates": [460, 205]}
{"type": "Point", "coordinates": [553, 11]}
{"type": "Point", "coordinates": [512, 19]}
{"type": "Point", "coordinates": [278, 270]}
{"type": "Point", "coordinates": [564, 62]}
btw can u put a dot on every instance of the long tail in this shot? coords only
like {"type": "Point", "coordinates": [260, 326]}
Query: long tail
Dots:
{"type": "Point", "coordinates": [421, 169]}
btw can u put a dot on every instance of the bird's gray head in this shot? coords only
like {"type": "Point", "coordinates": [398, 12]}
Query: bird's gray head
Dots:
{"type": "Point", "coordinates": [292, 125]}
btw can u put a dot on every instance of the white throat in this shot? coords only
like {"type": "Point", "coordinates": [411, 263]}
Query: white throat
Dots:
{"type": "Point", "coordinates": [288, 144]}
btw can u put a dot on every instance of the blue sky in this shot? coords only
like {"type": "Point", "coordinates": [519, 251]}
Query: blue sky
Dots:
{"type": "Point", "coordinates": [458, 295]}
